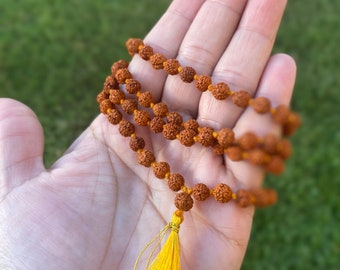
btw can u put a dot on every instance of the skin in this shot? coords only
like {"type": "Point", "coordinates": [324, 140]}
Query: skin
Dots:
{"type": "Point", "coordinates": [96, 208]}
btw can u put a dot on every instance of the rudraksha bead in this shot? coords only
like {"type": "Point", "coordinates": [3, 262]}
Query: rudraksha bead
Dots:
{"type": "Point", "coordinates": [220, 90]}
{"type": "Point", "coordinates": [136, 143]}
{"type": "Point", "coordinates": [191, 124]}
{"type": "Point", "coordinates": [133, 86]}
{"type": "Point", "coordinates": [104, 94]}
{"type": "Point", "coordinates": [170, 131]}
{"type": "Point", "coordinates": [145, 52]}
{"type": "Point", "coordinates": [118, 65]}
{"type": "Point", "coordinates": [263, 197]}
{"type": "Point", "coordinates": [156, 124]}
{"type": "Point", "coordinates": [122, 75]}
{"type": "Point", "coordinates": [141, 117]}
{"type": "Point", "coordinates": [110, 83]}
{"type": "Point", "coordinates": [145, 157]}
{"type": "Point", "coordinates": [205, 136]}
{"type": "Point", "coordinates": [116, 96]}
{"type": "Point", "coordinates": [257, 157]}
{"type": "Point", "coordinates": [247, 141]}
{"type": "Point", "coordinates": [261, 105]}
{"type": "Point", "coordinates": [234, 153]}
{"type": "Point", "coordinates": [281, 114]}
{"type": "Point", "coordinates": [157, 60]}
{"type": "Point", "coordinates": [105, 106]}
{"type": "Point", "coordinates": [294, 121]}
{"type": "Point", "coordinates": [133, 44]}
{"type": "Point", "coordinates": [284, 148]}
{"type": "Point", "coordinates": [175, 181]}
{"type": "Point", "coordinates": [222, 193]}
{"type": "Point", "coordinates": [187, 74]}
{"type": "Point", "coordinates": [243, 198]}
{"type": "Point", "coordinates": [200, 192]}
{"type": "Point", "coordinates": [114, 116]}
{"type": "Point", "coordinates": [270, 142]}
{"type": "Point", "coordinates": [218, 149]}
{"type": "Point", "coordinates": [202, 82]}
{"type": "Point", "coordinates": [225, 137]}
{"type": "Point", "coordinates": [129, 106]}
{"type": "Point", "coordinates": [171, 66]}
{"type": "Point", "coordinates": [160, 109]}
{"type": "Point", "coordinates": [126, 128]}
{"type": "Point", "coordinates": [175, 118]}
{"type": "Point", "coordinates": [183, 201]}
{"type": "Point", "coordinates": [241, 98]}
{"type": "Point", "coordinates": [186, 137]}
{"type": "Point", "coordinates": [145, 99]}
{"type": "Point", "coordinates": [275, 165]}
{"type": "Point", "coordinates": [160, 169]}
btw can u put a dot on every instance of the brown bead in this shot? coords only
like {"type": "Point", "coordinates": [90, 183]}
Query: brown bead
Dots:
{"type": "Point", "coordinates": [157, 60]}
{"type": "Point", "coordinates": [145, 157]}
{"type": "Point", "coordinates": [257, 157]}
{"type": "Point", "coordinates": [222, 193]}
{"type": "Point", "coordinates": [129, 106]}
{"type": "Point", "coordinates": [137, 143]}
{"type": "Point", "coordinates": [276, 165]}
{"type": "Point", "coordinates": [145, 52]}
{"type": "Point", "coordinates": [234, 153]}
{"type": "Point", "coordinates": [225, 137]}
{"type": "Point", "coordinates": [145, 99]}
{"type": "Point", "coordinates": [218, 149]}
{"type": "Point", "coordinates": [187, 74]}
{"type": "Point", "coordinates": [281, 114]}
{"type": "Point", "coordinates": [183, 201]}
{"type": "Point", "coordinates": [116, 96]}
{"type": "Point", "coordinates": [132, 86]}
{"type": "Point", "coordinates": [269, 143]}
{"type": "Point", "coordinates": [205, 136]}
{"type": "Point", "coordinates": [122, 75]}
{"type": "Point", "coordinates": [243, 198]}
{"type": "Point", "coordinates": [156, 124]}
{"type": "Point", "coordinates": [141, 117]}
{"type": "Point", "coordinates": [114, 116]}
{"type": "Point", "coordinates": [110, 83]}
{"type": "Point", "coordinates": [191, 124]}
{"type": "Point", "coordinates": [118, 65]}
{"type": "Point", "coordinates": [284, 148]}
{"type": "Point", "coordinates": [186, 137]}
{"type": "Point", "coordinates": [133, 44]}
{"type": "Point", "coordinates": [247, 141]}
{"type": "Point", "coordinates": [263, 197]}
{"type": "Point", "coordinates": [294, 121]}
{"type": "Point", "coordinates": [170, 131]}
{"type": "Point", "coordinates": [160, 169]}
{"type": "Point", "coordinates": [220, 91]}
{"type": "Point", "coordinates": [261, 105]}
{"type": "Point", "coordinates": [175, 181]}
{"type": "Point", "coordinates": [171, 66]}
{"type": "Point", "coordinates": [105, 106]}
{"type": "Point", "coordinates": [160, 109]}
{"type": "Point", "coordinates": [175, 118]}
{"type": "Point", "coordinates": [203, 82]}
{"type": "Point", "coordinates": [104, 94]}
{"type": "Point", "coordinates": [200, 192]}
{"type": "Point", "coordinates": [241, 98]}
{"type": "Point", "coordinates": [126, 128]}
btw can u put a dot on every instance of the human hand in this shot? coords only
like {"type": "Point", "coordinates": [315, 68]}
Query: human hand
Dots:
{"type": "Point", "coordinates": [96, 207]}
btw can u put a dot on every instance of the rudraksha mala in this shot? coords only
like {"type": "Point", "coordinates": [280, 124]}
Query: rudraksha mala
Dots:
{"type": "Point", "coordinates": [123, 95]}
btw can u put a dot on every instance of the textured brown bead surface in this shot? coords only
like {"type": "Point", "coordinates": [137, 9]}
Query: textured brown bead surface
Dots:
{"type": "Point", "coordinates": [133, 86]}
{"type": "Point", "coordinates": [129, 106]}
{"type": "Point", "coordinates": [116, 96]}
{"type": "Point", "coordinates": [200, 192]}
{"type": "Point", "coordinates": [284, 148]}
{"type": "Point", "coordinates": [186, 137]}
{"type": "Point", "coordinates": [160, 109]}
{"type": "Point", "coordinates": [170, 131]}
{"type": "Point", "coordinates": [145, 99]}
{"type": "Point", "coordinates": [157, 61]}
{"type": "Point", "coordinates": [261, 105]}
{"type": "Point", "coordinates": [247, 141]}
{"type": "Point", "coordinates": [156, 124]}
{"type": "Point", "coordinates": [270, 142]}
{"type": "Point", "coordinates": [294, 121]}
{"type": "Point", "coordinates": [110, 83]}
{"type": "Point", "coordinates": [264, 197]}
{"type": "Point", "coordinates": [225, 137]}
{"type": "Point", "coordinates": [106, 105]}
{"type": "Point", "coordinates": [171, 66]}
{"type": "Point", "coordinates": [187, 74]}
{"type": "Point", "coordinates": [257, 157]}
{"type": "Point", "coordinates": [275, 165]}
{"type": "Point", "coordinates": [160, 169]}
{"type": "Point", "coordinates": [133, 44]}
{"type": "Point", "coordinates": [243, 198]}
{"type": "Point", "coordinates": [218, 149]}
{"type": "Point", "coordinates": [104, 94]}
{"type": "Point", "coordinates": [126, 128]}
{"type": "Point", "coordinates": [175, 181]}
{"type": "Point", "coordinates": [146, 158]}
{"type": "Point", "coordinates": [122, 75]}
{"type": "Point", "coordinates": [114, 117]}
{"type": "Point", "coordinates": [183, 201]}
{"type": "Point", "coordinates": [175, 118]}
{"type": "Point", "coordinates": [136, 143]}
{"type": "Point", "coordinates": [241, 98]}
{"type": "Point", "coordinates": [191, 124]}
{"type": "Point", "coordinates": [118, 65]}
{"type": "Point", "coordinates": [222, 193]}
{"type": "Point", "coordinates": [281, 114]}
{"type": "Point", "coordinates": [145, 52]}
{"type": "Point", "coordinates": [220, 90]}
{"type": "Point", "coordinates": [205, 136]}
{"type": "Point", "coordinates": [141, 118]}
{"type": "Point", "coordinates": [203, 82]}
{"type": "Point", "coordinates": [234, 153]}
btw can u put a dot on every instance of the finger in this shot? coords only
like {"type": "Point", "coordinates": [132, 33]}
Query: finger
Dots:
{"type": "Point", "coordinates": [244, 60]}
{"type": "Point", "coordinates": [277, 85]}
{"type": "Point", "coordinates": [165, 37]}
{"type": "Point", "coordinates": [21, 145]}
{"type": "Point", "coordinates": [201, 48]}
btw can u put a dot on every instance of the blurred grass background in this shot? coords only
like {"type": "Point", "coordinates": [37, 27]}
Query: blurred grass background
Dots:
{"type": "Point", "coordinates": [54, 56]}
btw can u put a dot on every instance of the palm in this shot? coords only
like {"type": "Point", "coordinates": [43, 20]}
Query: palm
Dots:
{"type": "Point", "coordinates": [96, 207]}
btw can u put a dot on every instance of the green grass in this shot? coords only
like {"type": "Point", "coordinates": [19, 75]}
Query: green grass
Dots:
{"type": "Point", "coordinates": [54, 57]}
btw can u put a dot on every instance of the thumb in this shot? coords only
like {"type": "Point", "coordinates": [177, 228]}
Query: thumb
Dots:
{"type": "Point", "coordinates": [21, 145]}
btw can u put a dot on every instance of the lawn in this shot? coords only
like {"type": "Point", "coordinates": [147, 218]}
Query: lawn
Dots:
{"type": "Point", "coordinates": [54, 56]}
